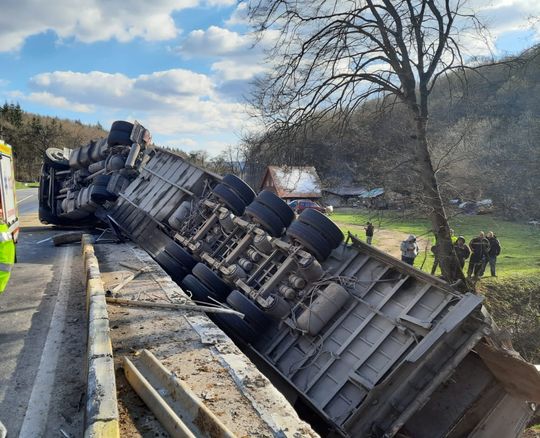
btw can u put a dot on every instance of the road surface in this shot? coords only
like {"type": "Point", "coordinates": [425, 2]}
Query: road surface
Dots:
{"type": "Point", "coordinates": [42, 334]}
{"type": "Point", "coordinates": [27, 201]}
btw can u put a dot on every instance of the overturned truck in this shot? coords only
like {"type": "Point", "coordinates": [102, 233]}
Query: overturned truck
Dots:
{"type": "Point", "coordinates": [361, 344]}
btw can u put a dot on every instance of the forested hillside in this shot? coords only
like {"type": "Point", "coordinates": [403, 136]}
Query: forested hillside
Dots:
{"type": "Point", "coordinates": [484, 133]}
{"type": "Point", "coordinates": [30, 135]}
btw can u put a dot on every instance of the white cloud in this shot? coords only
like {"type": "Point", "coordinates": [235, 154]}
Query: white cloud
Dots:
{"type": "Point", "coordinates": [89, 20]}
{"type": "Point", "coordinates": [162, 89]}
{"type": "Point", "coordinates": [173, 103]}
{"type": "Point", "coordinates": [175, 82]}
{"type": "Point", "coordinates": [215, 41]}
{"type": "Point", "coordinates": [229, 70]}
{"type": "Point", "coordinates": [239, 16]}
{"type": "Point", "coordinates": [47, 99]}
{"type": "Point", "coordinates": [220, 3]}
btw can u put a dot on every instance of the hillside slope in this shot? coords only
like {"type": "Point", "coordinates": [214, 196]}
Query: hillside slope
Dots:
{"type": "Point", "coordinates": [484, 131]}
{"type": "Point", "coordinates": [31, 134]}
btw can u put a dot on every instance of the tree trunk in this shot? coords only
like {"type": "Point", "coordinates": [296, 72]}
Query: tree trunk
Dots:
{"type": "Point", "coordinates": [448, 260]}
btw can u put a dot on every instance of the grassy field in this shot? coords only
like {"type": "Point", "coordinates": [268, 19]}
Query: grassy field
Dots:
{"type": "Point", "coordinates": [23, 185]}
{"type": "Point", "coordinates": [520, 243]}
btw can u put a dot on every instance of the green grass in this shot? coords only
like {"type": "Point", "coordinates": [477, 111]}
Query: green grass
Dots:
{"type": "Point", "coordinates": [520, 243]}
{"type": "Point", "coordinates": [23, 185]}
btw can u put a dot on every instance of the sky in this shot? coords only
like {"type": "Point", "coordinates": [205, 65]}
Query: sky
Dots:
{"type": "Point", "coordinates": [183, 68]}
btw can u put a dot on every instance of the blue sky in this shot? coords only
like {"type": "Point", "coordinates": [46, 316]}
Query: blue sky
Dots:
{"type": "Point", "coordinates": [180, 67]}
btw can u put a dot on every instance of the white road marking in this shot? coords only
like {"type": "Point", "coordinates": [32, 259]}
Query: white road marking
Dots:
{"type": "Point", "coordinates": [35, 419]}
{"type": "Point", "coordinates": [24, 199]}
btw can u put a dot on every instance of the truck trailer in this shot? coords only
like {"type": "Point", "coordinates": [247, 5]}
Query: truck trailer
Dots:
{"type": "Point", "coordinates": [360, 343]}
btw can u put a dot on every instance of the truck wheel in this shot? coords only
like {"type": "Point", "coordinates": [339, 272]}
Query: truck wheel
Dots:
{"type": "Point", "coordinates": [311, 239]}
{"type": "Point", "coordinates": [324, 225]}
{"type": "Point", "coordinates": [210, 279]}
{"type": "Point", "coordinates": [277, 205]}
{"type": "Point", "coordinates": [230, 199]}
{"type": "Point", "coordinates": [171, 266]}
{"type": "Point", "coordinates": [122, 126]}
{"type": "Point", "coordinates": [99, 194]}
{"type": "Point", "coordinates": [235, 326]}
{"type": "Point", "coordinates": [56, 159]}
{"type": "Point", "coordinates": [266, 217]}
{"type": "Point", "coordinates": [180, 255]}
{"type": "Point", "coordinates": [120, 133]}
{"type": "Point", "coordinates": [252, 314]}
{"type": "Point", "coordinates": [199, 291]}
{"type": "Point", "coordinates": [244, 191]}
{"type": "Point", "coordinates": [102, 180]}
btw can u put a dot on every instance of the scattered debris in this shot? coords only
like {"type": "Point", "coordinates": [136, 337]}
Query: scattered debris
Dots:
{"type": "Point", "coordinates": [62, 239]}
{"type": "Point", "coordinates": [174, 306]}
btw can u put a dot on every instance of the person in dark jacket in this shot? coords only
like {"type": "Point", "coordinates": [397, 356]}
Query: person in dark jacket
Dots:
{"type": "Point", "coordinates": [462, 251]}
{"type": "Point", "coordinates": [479, 246]}
{"type": "Point", "coordinates": [369, 232]}
{"type": "Point", "coordinates": [491, 256]}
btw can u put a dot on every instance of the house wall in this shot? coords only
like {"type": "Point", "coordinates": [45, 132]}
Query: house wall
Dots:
{"type": "Point", "coordinates": [268, 184]}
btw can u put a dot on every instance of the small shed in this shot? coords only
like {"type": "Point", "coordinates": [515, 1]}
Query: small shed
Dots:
{"type": "Point", "coordinates": [355, 196]}
{"type": "Point", "coordinates": [340, 196]}
{"type": "Point", "coordinates": [292, 182]}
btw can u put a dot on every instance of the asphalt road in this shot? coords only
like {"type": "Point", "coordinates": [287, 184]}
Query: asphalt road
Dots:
{"type": "Point", "coordinates": [27, 201]}
{"type": "Point", "coordinates": [42, 334]}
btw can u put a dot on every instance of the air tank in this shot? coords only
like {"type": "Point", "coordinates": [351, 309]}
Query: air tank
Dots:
{"type": "Point", "coordinates": [322, 309]}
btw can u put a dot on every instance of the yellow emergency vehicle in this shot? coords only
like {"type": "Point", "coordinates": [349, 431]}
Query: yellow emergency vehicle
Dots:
{"type": "Point", "coordinates": [9, 216]}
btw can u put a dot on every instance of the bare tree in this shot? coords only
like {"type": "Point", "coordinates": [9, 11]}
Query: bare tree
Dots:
{"type": "Point", "coordinates": [332, 56]}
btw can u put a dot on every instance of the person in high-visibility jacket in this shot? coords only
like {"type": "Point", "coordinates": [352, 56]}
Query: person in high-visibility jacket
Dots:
{"type": "Point", "coordinates": [7, 255]}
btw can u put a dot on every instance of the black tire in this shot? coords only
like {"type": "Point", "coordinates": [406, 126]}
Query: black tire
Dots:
{"type": "Point", "coordinates": [235, 327]}
{"type": "Point", "coordinates": [266, 217]}
{"type": "Point", "coordinates": [120, 133]}
{"type": "Point", "coordinates": [74, 158]}
{"type": "Point", "coordinates": [324, 225]}
{"type": "Point", "coordinates": [101, 180]}
{"type": "Point", "coordinates": [277, 205]}
{"type": "Point", "coordinates": [119, 138]}
{"type": "Point", "coordinates": [244, 191]}
{"type": "Point", "coordinates": [311, 239]}
{"type": "Point", "coordinates": [210, 279]}
{"type": "Point", "coordinates": [99, 194]}
{"type": "Point", "coordinates": [122, 126]}
{"type": "Point", "coordinates": [252, 314]}
{"type": "Point", "coordinates": [181, 255]}
{"type": "Point", "coordinates": [230, 199]}
{"type": "Point", "coordinates": [171, 266]}
{"type": "Point", "coordinates": [56, 159]}
{"type": "Point", "coordinates": [199, 291]}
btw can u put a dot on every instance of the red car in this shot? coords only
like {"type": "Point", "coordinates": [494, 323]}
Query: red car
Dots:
{"type": "Point", "coordinates": [299, 205]}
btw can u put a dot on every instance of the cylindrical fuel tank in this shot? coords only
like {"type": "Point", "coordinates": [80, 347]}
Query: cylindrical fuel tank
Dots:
{"type": "Point", "coordinates": [322, 308]}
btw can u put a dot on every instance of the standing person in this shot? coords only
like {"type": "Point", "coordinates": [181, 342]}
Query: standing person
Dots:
{"type": "Point", "coordinates": [462, 251]}
{"type": "Point", "coordinates": [369, 232]}
{"type": "Point", "coordinates": [479, 246]}
{"type": "Point", "coordinates": [409, 250]}
{"type": "Point", "coordinates": [494, 251]}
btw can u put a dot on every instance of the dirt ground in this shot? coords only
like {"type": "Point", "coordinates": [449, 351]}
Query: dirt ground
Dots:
{"type": "Point", "coordinates": [389, 241]}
